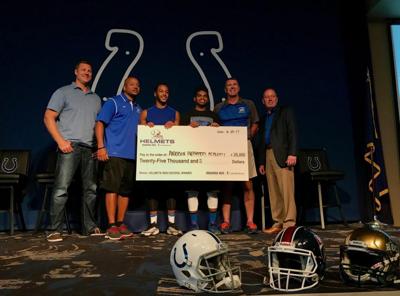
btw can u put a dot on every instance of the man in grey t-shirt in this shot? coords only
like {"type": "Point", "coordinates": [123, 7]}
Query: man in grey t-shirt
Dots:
{"type": "Point", "coordinates": [70, 119]}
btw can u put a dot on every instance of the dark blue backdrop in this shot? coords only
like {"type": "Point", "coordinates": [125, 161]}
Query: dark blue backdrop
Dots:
{"type": "Point", "coordinates": [312, 52]}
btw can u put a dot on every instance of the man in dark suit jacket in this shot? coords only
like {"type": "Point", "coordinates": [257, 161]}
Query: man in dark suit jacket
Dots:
{"type": "Point", "coordinates": [277, 148]}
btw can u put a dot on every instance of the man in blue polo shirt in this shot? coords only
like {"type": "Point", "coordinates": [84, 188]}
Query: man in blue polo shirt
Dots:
{"type": "Point", "coordinates": [70, 119]}
{"type": "Point", "coordinates": [236, 111]}
{"type": "Point", "coordinates": [116, 130]}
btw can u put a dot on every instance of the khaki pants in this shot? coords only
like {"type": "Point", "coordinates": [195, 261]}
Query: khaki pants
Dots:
{"type": "Point", "coordinates": [281, 192]}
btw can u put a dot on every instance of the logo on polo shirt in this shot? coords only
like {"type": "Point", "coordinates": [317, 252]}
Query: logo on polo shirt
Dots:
{"type": "Point", "coordinates": [242, 110]}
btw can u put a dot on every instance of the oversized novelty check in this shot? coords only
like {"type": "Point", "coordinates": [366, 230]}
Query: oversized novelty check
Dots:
{"type": "Point", "coordinates": [187, 153]}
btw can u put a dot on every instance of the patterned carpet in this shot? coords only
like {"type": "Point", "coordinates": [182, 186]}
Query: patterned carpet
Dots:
{"type": "Point", "coordinates": [140, 266]}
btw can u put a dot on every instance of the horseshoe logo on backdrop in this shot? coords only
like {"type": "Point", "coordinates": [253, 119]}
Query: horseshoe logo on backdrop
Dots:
{"type": "Point", "coordinates": [6, 167]}
{"type": "Point", "coordinates": [114, 50]}
{"type": "Point", "coordinates": [181, 265]}
{"type": "Point", "coordinates": [214, 51]}
{"type": "Point", "coordinates": [313, 163]}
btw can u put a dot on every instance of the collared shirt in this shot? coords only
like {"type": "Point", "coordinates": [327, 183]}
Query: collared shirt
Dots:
{"type": "Point", "coordinates": [269, 117]}
{"type": "Point", "coordinates": [242, 113]}
{"type": "Point", "coordinates": [77, 113]}
{"type": "Point", "coordinates": [121, 118]}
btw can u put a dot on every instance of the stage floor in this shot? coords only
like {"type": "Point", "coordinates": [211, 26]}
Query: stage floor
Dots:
{"type": "Point", "coordinates": [140, 266]}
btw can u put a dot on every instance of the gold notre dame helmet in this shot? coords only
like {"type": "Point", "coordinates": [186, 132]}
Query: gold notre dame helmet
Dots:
{"type": "Point", "coordinates": [369, 255]}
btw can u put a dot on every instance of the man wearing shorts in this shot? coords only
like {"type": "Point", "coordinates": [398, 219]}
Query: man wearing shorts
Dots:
{"type": "Point", "coordinates": [236, 111]}
{"type": "Point", "coordinates": [116, 130]}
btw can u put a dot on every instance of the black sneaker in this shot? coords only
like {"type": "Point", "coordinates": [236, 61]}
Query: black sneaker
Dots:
{"type": "Point", "coordinates": [113, 233]}
{"type": "Point", "coordinates": [251, 228]}
{"type": "Point", "coordinates": [225, 227]}
{"type": "Point", "coordinates": [212, 227]}
{"type": "Point", "coordinates": [124, 230]}
{"type": "Point", "coordinates": [194, 227]}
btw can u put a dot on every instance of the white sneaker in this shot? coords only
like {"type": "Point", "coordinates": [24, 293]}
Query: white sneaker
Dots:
{"type": "Point", "coordinates": [173, 230]}
{"type": "Point", "coordinates": [152, 230]}
{"type": "Point", "coordinates": [54, 237]}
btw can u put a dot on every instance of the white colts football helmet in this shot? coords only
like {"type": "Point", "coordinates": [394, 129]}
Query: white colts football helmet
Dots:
{"type": "Point", "coordinates": [296, 260]}
{"type": "Point", "coordinates": [200, 262]}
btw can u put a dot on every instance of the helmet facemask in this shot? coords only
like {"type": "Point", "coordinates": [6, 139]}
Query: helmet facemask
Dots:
{"type": "Point", "coordinates": [361, 265]}
{"type": "Point", "coordinates": [291, 269]}
{"type": "Point", "coordinates": [216, 272]}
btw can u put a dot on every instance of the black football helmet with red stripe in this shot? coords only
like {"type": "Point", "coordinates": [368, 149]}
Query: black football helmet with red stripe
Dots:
{"type": "Point", "coordinates": [296, 260]}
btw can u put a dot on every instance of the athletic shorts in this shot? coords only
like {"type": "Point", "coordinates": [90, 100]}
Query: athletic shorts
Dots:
{"type": "Point", "coordinates": [118, 176]}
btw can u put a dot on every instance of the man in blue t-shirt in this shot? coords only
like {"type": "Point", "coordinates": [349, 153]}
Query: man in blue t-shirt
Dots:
{"type": "Point", "coordinates": [161, 114]}
{"type": "Point", "coordinates": [116, 130]}
{"type": "Point", "coordinates": [70, 119]}
{"type": "Point", "coordinates": [236, 111]}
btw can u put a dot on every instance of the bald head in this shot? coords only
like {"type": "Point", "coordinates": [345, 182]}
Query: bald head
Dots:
{"type": "Point", "coordinates": [132, 87]}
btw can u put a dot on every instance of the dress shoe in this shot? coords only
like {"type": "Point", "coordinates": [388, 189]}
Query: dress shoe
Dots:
{"type": "Point", "coordinates": [273, 230]}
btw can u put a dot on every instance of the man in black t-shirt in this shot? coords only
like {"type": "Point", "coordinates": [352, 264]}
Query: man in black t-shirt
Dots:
{"type": "Point", "coordinates": [202, 116]}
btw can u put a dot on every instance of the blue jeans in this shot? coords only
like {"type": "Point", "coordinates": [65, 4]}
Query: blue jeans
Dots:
{"type": "Point", "coordinates": [67, 164]}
